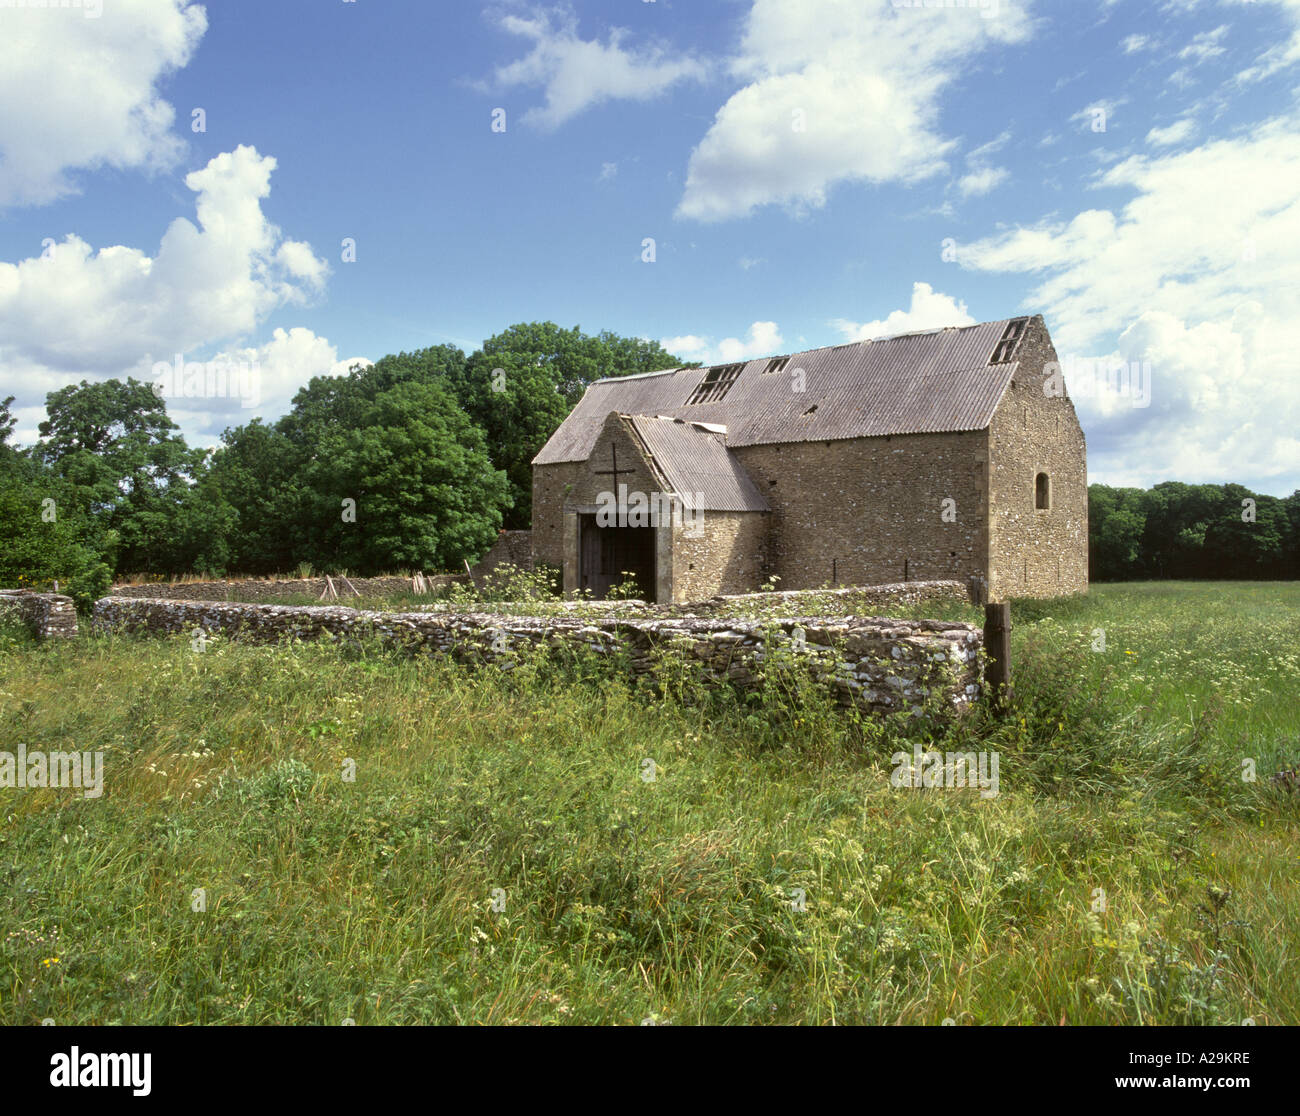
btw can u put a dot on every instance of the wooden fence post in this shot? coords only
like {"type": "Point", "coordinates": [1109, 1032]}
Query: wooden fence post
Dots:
{"type": "Point", "coordinates": [997, 649]}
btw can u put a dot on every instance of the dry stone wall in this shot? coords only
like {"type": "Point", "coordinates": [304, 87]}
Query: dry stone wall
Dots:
{"type": "Point", "coordinates": [881, 665]}
{"type": "Point", "coordinates": [48, 615]}
{"type": "Point", "coordinates": [259, 589]}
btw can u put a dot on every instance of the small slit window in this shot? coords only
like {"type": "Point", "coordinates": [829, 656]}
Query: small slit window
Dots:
{"type": "Point", "coordinates": [1005, 349]}
{"type": "Point", "coordinates": [716, 383]}
{"type": "Point", "coordinates": [1042, 492]}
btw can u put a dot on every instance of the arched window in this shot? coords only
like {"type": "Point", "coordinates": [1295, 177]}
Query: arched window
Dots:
{"type": "Point", "coordinates": [1042, 492]}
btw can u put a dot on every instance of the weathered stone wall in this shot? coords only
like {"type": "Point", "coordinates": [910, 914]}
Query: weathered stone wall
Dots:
{"type": "Point", "coordinates": [866, 511]}
{"type": "Point", "coordinates": [260, 589]}
{"type": "Point", "coordinates": [48, 615]}
{"type": "Point", "coordinates": [725, 552]}
{"type": "Point", "coordinates": [512, 548]}
{"type": "Point", "coordinates": [881, 665]}
{"type": "Point", "coordinates": [1037, 553]}
{"type": "Point", "coordinates": [552, 487]}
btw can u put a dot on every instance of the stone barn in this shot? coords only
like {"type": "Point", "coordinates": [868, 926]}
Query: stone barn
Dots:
{"type": "Point", "coordinates": [953, 453]}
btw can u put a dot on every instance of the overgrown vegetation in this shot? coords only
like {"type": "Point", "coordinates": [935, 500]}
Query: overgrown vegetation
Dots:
{"type": "Point", "coordinates": [762, 869]}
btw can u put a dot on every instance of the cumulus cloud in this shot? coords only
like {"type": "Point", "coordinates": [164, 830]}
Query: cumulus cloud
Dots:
{"type": "Point", "coordinates": [836, 91]}
{"type": "Point", "coordinates": [83, 93]}
{"type": "Point", "coordinates": [258, 380]}
{"type": "Point", "coordinates": [763, 339]}
{"type": "Point", "coordinates": [577, 73]}
{"type": "Point", "coordinates": [1196, 278]}
{"type": "Point", "coordinates": [75, 312]}
{"type": "Point", "coordinates": [930, 309]}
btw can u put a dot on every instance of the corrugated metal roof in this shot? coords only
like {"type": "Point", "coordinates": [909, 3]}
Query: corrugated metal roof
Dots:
{"type": "Point", "coordinates": [918, 383]}
{"type": "Point", "coordinates": [697, 465]}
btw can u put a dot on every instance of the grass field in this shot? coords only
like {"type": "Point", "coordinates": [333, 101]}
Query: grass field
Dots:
{"type": "Point", "coordinates": [503, 856]}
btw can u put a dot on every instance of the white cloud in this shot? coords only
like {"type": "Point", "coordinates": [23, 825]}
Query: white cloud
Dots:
{"type": "Point", "coordinates": [83, 93]}
{"type": "Point", "coordinates": [764, 339]}
{"type": "Point", "coordinates": [80, 313]}
{"type": "Point", "coordinates": [83, 310]}
{"type": "Point", "coordinates": [1175, 133]}
{"type": "Point", "coordinates": [930, 309]}
{"type": "Point", "coordinates": [1205, 46]}
{"type": "Point", "coordinates": [838, 91]}
{"type": "Point", "coordinates": [1096, 117]}
{"type": "Point", "coordinates": [982, 177]}
{"type": "Point", "coordinates": [1196, 275]}
{"type": "Point", "coordinates": [578, 73]}
{"type": "Point", "coordinates": [608, 172]}
{"type": "Point", "coordinates": [981, 181]}
{"type": "Point", "coordinates": [263, 380]}
{"type": "Point", "coordinates": [1133, 43]}
{"type": "Point", "coordinates": [1280, 55]}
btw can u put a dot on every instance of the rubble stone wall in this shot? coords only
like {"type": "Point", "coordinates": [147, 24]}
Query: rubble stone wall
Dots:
{"type": "Point", "coordinates": [882, 665]}
{"type": "Point", "coordinates": [48, 615]}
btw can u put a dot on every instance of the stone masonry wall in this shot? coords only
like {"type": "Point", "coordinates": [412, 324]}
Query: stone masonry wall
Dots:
{"type": "Point", "coordinates": [871, 504]}
{"type": "Point", "coordinates": [48, 615]}
{"type": "Point", "coordinates": [725, 553]}
{"type": "Point", "coordinates": [1037, 553]}
{"type": "Point", "coordinates": [880, 665]}
{"type": "Point", "coordinates": [552, 486]}
{"type": "Point", "coordinates": [260, 589]}
{"type": "Point", "coordinates": [513, 548]}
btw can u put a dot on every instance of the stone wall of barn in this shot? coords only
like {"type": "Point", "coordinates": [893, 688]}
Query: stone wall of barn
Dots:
{"type": "Point", "coordinates": [864, 511]}
{"type": "Point", "coordinates": [723, 553]}
{"type": "Point", "coordinates": [1037, 552]}
{"type": "Point", "coordinates": [552, 488]}
{"type": "Point", "coordinates": [880, 665]}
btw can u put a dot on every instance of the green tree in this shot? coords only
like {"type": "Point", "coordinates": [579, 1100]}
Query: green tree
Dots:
{"type": "Point", "coordinates": [1239, 544]}
{"type": "Point", "coordinates": [255, 479]}
{"type": "Point", "coordinates": [410, 484]}
{"type": "Point", "coordinates": [7, 424]}
{"type": "Point", "coordinates": [1115, 524]}
{"type": "Point", "coordinates": [524, 382]}
{"type": "Point", "coordinates": [125, 463]}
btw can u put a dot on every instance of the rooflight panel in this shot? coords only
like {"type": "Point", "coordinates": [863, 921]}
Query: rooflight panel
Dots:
{"type": "Point", "coordinates": [716, 383]}
{"type": "Point", "coordinates": [776, 364]}
{"type": "Point", "coordinates": [1005, 349]}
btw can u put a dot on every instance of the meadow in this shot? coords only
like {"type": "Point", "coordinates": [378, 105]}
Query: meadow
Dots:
{"type": "Point", "coordinates": [307, 835]}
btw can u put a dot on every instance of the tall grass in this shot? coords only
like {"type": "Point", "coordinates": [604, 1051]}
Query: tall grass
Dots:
{"type": "Point", "coordinates": [763, 869]}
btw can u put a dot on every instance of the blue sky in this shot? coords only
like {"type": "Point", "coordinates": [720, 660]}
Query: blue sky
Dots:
{"type": "Point", "coordinates": [810, 172]}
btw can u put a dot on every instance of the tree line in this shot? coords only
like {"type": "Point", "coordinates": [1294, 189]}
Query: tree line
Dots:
{"type": "Point", "coordinates": [418, 460]}
{"type": "Point", "coordinates": [415, 461]}
{"type": "Point", "coordinates": [1206, 531]}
